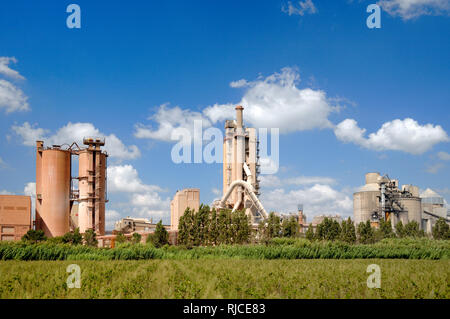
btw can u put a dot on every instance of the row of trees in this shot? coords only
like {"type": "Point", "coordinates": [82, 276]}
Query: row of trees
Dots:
{"type": "Point", "coordinates": [366, 234]}
{"type": "Point", "coordinates": [207, 227]}
{"type": "Point", "coordinates": [74, 238]}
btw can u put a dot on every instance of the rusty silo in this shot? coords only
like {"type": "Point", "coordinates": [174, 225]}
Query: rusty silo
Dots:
{"type": "Point", "coordinates": [92, 186]}
{"type": "Point", "coordinates": [53, 177]}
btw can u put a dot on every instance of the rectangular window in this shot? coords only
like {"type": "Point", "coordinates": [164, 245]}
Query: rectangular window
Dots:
{"type": "Point", "coordinates": [8, 229]}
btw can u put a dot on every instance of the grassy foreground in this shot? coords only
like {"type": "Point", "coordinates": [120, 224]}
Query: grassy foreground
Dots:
{"type": "Point", "coordinates": [226, 278]}
{"type": "Point", "coordinates": [279, 248]}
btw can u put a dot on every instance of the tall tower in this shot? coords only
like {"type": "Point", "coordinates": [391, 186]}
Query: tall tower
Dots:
{"type": "Point", "coordinates": [92, 186]}
{"type": "Point", "coordinates": [240, 162]}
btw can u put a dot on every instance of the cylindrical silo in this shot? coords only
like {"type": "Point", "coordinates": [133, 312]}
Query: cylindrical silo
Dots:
{"type": "Point", "coordinates": [412, 210]}
{"type": "Point", "coordinates": [365, 203]}
{"type": "Point", "coordinates": [53, 176]}
{"type": "Point", "coordinates": [372, 178]}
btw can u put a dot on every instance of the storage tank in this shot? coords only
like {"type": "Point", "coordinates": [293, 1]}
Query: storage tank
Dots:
{"type": "Point", "coordinates": [53, 176]}
{"type": "Point", "coordinates": [412, 207]}
{"type": "Point", "coordinates": [92, 187]}
{"type": "Point", "coordinates": [365, 203]}
{"type": "Point", "coordinates": [372, 178]}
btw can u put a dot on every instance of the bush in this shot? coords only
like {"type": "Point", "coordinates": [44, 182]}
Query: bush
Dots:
{"type": "Point", "coordinates": [441, 230]}
{"type": "Point", "coordinates": [136, 238]}
{"type": "Point", "coordinates": [74, 238]}
{"type": "Point", "coordinates": [34, 236]}
{"type": "Point", "coordinates": [328, 229]}
{"type": "Point", "coordinates": [160, 237]}
{"type": "Point", "coordinates": [120, 238]}
{"type": "Point", "coordinates": [366, 234]}
{"type": "Point", "coordinates": [90, 238]}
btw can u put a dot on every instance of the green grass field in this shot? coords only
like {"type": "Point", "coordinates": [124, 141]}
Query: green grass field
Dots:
{"type": "Point", "coordinates": [226, 278]}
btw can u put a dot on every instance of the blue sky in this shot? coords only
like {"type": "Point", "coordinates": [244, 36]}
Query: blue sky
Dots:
{"type": "Point", "coordinates": [318, 71]}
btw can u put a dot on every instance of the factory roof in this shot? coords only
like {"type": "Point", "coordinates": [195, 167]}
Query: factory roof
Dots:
{"type": "Point", "coordinates": [428, 193]}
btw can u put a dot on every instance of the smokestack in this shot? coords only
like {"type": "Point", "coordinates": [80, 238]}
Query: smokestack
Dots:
{"type": "Point", "coordinates": [239, 121]}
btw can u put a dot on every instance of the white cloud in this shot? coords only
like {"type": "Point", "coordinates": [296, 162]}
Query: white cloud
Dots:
{"type": "Point", "coordinates": [216, 191]}
{"type": "Point", "coordinates": [444, 156]}
{"type": "Point", "coordinates": [30, 189]}
{"type": "Point", "coordinates": [435, 168]}
{"type": "Point", "coordinates": [272, 181]}
{"type": "Point", "coordinates": [6, 70]}
{"type": "Point", "coordinates": [401, 135]}
{"type": "Point", "coordinates": [125, 179]}
{"type": "Point", "coordinates": [12, 99]}
{"type": "Point", "coordinates": [5, 192]}
{"type": "Point", "coordinates": [143, 200]}
{"type": "Point", "coordinates": [306, 6]}
{"type": "Point", "coordinates": [317, 199]}
{"type": "Point", "coordinates": [170, 121]}
{"type": "Point", "coordinates": [277, 102]}
{"type": "Point", "coordinates": [75, 132]}
{"type": "Point", "coordinates": [271, 102]}
{"type": "Point", "coordinates": [409, 9]}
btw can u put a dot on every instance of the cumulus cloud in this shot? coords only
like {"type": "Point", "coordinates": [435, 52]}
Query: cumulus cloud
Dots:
{"type": "Point", "coordinates": [271, 102]}
{"type": "Point", "coordinates": [125, 179]}
{"type": "Point", "coordinates": [172, 122]}
{"type": "Point", "coordinates": [143, 200]}
{"type": "Point", "coordinates": [409, 9]}
{"type": "Point", "coordinates": [444, 156]}
{"type": "Point", "coordinates": [272, 181]}
{"type": "Point", "coordinates": [277, 102]}
{"type": "Point", "coordinates": [12, 99]}
{"type": "Point", "coordinates": [5, 192]}
{"type": "Point", "coordinates": [317, 199]}
{"type": "Point", "coordinates": [75, 132]}
{"type": "Point", "coordinates": [303, 7]}
{"type": "Point", "coordinates": [6, 70]}
{"type": "Point", "coordinates": [401, 135]}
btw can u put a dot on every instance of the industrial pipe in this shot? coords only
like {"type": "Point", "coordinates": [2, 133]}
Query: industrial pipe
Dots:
{"type": "Point", "coordinates": [250, 190]}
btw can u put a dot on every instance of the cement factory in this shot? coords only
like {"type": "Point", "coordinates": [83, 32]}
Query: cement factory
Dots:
{"type": "Point", "coordinates": [381, 198]}
{"type": "Point", "coordinates": [64, 203]}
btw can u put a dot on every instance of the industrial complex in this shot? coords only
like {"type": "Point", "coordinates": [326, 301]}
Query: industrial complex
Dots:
{"type": "Point", "coordinates": [382, 198]}
{"type": "Point", "coordinates": [64, 202]}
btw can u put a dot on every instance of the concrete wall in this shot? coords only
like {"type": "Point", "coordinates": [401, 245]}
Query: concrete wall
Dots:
{"type": "Point", "coordinates": [15, 216]}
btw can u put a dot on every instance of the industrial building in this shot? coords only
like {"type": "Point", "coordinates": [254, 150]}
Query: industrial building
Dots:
{"type": "Point", "coordinates": [381, 198]}
{"type": "Point", "coordinates": [241, 169]}
{"type": "Point", "coordinates": [15, 216]}
{"type": "Point", "coordinates": [183, 199]}
{"type": "Point", "coordinates": [139, 225]}
{"type": "Point", "coordinates": [60, 207]}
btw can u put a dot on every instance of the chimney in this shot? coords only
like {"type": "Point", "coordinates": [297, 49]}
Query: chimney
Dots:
{"type": "Point", "coordinates": [239, 121]}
